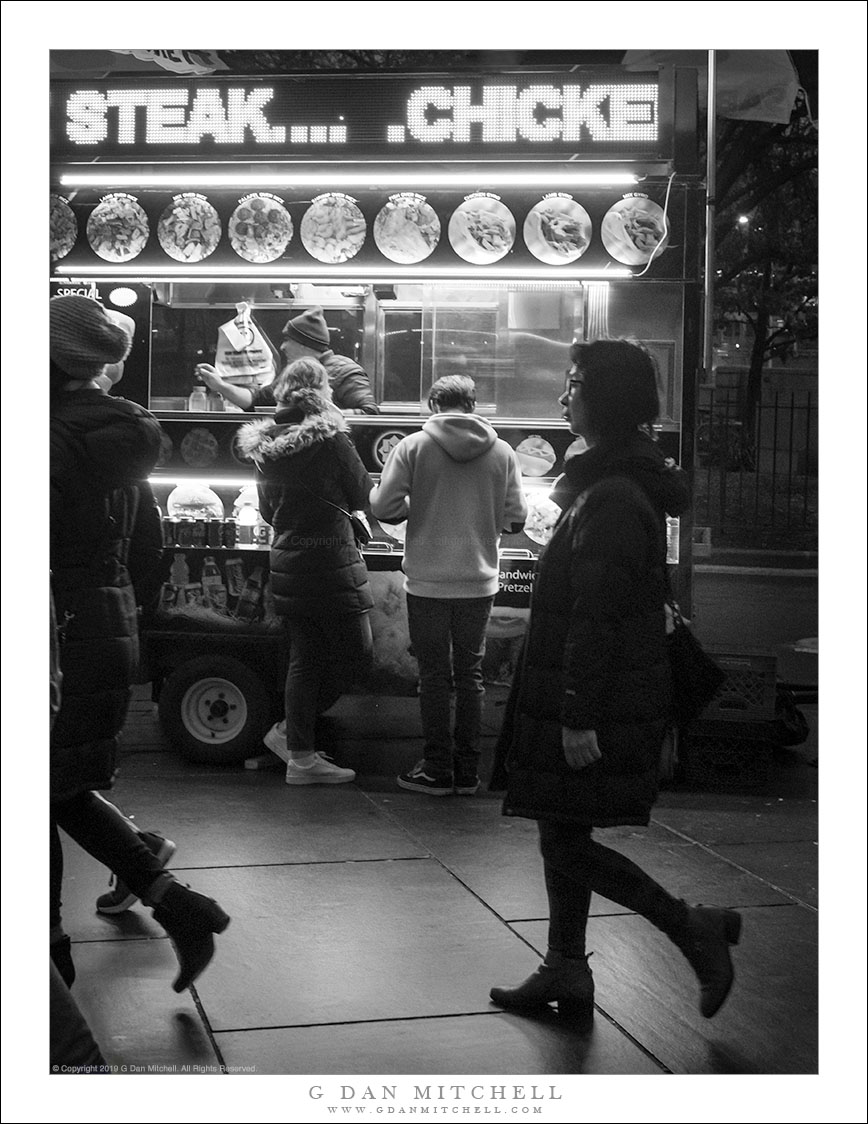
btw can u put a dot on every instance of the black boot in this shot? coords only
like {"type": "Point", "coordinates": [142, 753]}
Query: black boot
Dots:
{"type": "Point", "coordinates": [559, 979]}
{"type": "Point", "coordinates": [705, 939]}
{"type": "Point", "coordinates": [190, 919]}
{"type": "Point", "coordinates": [61, 954]}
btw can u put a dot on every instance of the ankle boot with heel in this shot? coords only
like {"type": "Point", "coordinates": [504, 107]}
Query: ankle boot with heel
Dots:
{"type": "Point", "coordinates": [191, 920]}
{"type": "Point", "coordinates": [705, 938]}
{"type": "Point", "coordinates": [566, 981]}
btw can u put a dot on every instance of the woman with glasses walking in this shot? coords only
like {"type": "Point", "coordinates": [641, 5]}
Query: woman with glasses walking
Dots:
{"type": "Point", "coordinates": [589, 707]}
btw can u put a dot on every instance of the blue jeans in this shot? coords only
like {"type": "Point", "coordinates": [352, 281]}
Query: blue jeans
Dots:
{"type": "Point", "coordinates": [448, 639]}
{"type": "Point", "coordinates": [325, 656]}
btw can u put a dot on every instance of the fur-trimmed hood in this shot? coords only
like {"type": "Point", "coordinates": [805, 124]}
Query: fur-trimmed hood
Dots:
{"type": "Point", "coordinates": [306, 419]}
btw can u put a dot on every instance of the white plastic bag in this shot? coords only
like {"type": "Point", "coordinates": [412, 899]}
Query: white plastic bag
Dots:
{"type": "Point", "coordinates": [244, 355]}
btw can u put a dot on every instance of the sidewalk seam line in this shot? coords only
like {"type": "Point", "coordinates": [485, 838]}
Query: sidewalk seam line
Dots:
{"type": "Point", "coordinates": [209, 1030]}
{"type": "Point", "coordinates": [722, 858]}
{"type": "Point", "coordinates": [308, 862]}
{"type": "Point", "coordinates": [362, 1022]}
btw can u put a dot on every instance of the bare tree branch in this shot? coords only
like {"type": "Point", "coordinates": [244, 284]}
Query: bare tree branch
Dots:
{"type": "Point", "coordinates": [752, 195]}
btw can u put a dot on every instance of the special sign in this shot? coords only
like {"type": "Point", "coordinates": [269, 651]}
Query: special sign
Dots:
{"type": "Point", "coordinates": [609, 113]}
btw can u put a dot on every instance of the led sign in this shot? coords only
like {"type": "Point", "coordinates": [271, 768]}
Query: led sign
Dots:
{"type": "Point", "coordinates": [167, 118]}
{"type": "Point", "coordinates": [609, 114]}
{"type": "Point", "coordinates": [538, 113]}
{"type": "Point", "coordinates": [434, 114]}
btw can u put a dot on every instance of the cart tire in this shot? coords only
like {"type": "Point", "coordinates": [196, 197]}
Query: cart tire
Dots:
{"type": "Point", "coordinates": [215, 710]}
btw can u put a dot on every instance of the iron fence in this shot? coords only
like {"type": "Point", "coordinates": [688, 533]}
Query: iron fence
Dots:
{"type": "Point", "coordinates": [755, 482]}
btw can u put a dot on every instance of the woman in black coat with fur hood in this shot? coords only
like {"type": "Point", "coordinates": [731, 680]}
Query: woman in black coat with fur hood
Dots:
{"type": "Point", "coordinates": [310, 478]}
{"type": "Point", "coordinates": [590, 705]}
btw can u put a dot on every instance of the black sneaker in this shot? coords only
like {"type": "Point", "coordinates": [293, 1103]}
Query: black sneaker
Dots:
{"type": "Point", "coordinates": [121, 898]}
{"type": "Point", "coordinates": [466, 784]}
{"type": "Point", "coordinates": [421, 778]}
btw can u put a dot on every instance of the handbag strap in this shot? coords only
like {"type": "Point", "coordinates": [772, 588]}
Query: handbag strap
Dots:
{"type": "Point", "coordinates": [315, 495]}
{"type": "Point", "coordinates": [670, 594]}
{"type": "Point", "coordinates": [674, 618]}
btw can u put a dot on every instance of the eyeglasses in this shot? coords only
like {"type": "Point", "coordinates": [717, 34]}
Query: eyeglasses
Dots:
{"type": "Point", "coordinates": [572, 381]}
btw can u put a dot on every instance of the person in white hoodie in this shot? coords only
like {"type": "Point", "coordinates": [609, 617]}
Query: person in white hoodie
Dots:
{"type": "Point", "coordinates": [458, 485]}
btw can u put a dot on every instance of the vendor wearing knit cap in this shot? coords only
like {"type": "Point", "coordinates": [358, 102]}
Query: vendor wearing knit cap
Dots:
{"type": "Point", "coordinates": [306, 336]}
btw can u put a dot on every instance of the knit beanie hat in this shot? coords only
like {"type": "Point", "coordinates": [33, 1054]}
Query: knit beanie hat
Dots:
{"type": "Point", "coordinates": [83, 337]}
{"type": "Point", "coordinates": [309, 329]}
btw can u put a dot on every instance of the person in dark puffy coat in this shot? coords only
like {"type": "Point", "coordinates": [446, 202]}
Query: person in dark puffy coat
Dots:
{"type": "Point", "coordinates": [104, 527]}
{"type": "Point", "coordinates": [310, 478]}
{"type": "Point", "coordinates": [589, 708]}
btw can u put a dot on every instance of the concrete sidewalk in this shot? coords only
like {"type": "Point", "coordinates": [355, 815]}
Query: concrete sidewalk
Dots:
{"type": "Point", "coordinates": [369, 923]}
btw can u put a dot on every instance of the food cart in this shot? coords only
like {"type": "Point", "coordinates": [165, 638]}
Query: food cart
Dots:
{"type": "Point", "coordinates": [445, 224]}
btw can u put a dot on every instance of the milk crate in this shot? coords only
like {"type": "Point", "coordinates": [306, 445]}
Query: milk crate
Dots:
{"type": "Point", "coordinates": [725, 757]}
{"type": "Point", "coordinates": [748, 692]}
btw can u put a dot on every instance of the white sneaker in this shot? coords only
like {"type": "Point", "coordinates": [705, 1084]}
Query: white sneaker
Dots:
{"type": "Point", "coordinates": [318, 771]}
{"type": "Point", "coordinates": [275, 739]}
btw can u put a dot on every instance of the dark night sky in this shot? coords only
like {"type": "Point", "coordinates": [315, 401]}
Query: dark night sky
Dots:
{"type": "Point", "coordinates": [67, 63]}
{"type": "Point", "coordinates": [805, 62]}
{"type": "Point", "coordinates": [807, 66]}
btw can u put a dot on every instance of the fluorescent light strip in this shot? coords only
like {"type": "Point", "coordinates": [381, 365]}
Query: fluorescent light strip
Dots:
{"type": "Point", "coordinates": [347, 275]}
{"type": "Point", "coordinates": [489, 177]}
{"type": "Point", "coordinates": [205, 481]}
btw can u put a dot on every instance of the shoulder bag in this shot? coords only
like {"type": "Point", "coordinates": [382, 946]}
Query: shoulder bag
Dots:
{"type": "Point", "coordinates": [360, 531]}
{"type": "Point", "coordinates": [696, 677]}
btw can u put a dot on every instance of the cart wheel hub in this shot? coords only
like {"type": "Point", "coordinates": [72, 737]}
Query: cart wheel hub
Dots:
{"type": "Point", "coordinates": [219, 707]}
{"type": "Point", "coordinates": [214, 710]}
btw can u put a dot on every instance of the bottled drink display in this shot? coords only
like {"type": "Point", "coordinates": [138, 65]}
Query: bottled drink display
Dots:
{"type": "Point", "coordinates": [198, 400]}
